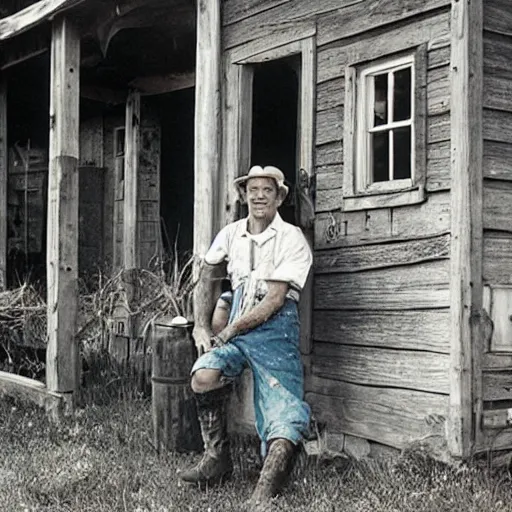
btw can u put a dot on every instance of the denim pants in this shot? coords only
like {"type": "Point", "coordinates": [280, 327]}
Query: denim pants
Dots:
{"type": "Point", "coordinates": [271, 350]}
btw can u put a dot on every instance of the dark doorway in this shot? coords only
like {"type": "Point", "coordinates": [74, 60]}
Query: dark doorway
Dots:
{"type": "Point", "coordinates": [177, 171]}
{"type": "Point", "coordinates": [28, 131]}
{"type": "Point", "coordinates": [274, 121]}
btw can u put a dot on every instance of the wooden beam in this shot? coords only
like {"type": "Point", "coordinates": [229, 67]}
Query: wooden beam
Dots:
{"type": "Point", "coordinates": [3, 181]}
{"type": "Point", "coordinates": [62, 371]}
{"type": "Point", "coordinates": [161, 84]}
{"type": "Point", "coordinates": [207, 124]}
{"type": "Point", "coordinates": [466, 223]}
{"type": "Point", "coordinates": [103, 94]}
{"type": "Point", "coordinates": [33, 15]}
{"type": "Point", "coordinates": [10, 62]}
{"type": "Point", "coordinates": [131, 168]}
{"type": "Point", "coordinates": [22, 388]}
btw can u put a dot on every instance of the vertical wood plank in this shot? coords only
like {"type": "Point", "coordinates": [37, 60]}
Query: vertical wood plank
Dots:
{"type": "Point", "coordinates": [207, 125]}
{"type": "Point", "coordinates": [131, 168]}
{"type": "Point", "coordinates": [245, 120]}
{"type": "Point", "coordinates": [306, 162]}
{"type": "Point", "coordinates": [237, 117]}
{"type": "Point", "coordinates": [62, 371]}
{"type": "Point", "coordinates": [230, 146]}
{"type": "Point", "coordinates": [466, 221]}
{"type": "Point", "coordinates": [350, 134]}
{"type": "Point", "coordinates": [3, 182]}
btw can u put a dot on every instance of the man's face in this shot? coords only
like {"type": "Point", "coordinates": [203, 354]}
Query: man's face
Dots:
{"type": "Point", "coordinates": [263, 198]}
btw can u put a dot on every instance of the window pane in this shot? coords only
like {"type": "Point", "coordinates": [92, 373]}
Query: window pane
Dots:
{"type": "Point", "coordinates": [402, 153]}
{"type": "Point", "coordinates": [380, 156]}
{"type": "Point", "coordinates": [402, 95]}
{"type": "Point", "coordinates": [380, 110]}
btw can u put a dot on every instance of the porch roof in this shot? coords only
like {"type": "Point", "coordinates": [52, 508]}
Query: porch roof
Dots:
{"type": "Point", "coordinates": [32, 15]}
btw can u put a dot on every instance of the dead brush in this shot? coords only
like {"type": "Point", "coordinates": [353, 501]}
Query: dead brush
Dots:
{"type": "Point", "coordinates": [22, 330]}
{"type": "Point", "coordinates": [145, 296]}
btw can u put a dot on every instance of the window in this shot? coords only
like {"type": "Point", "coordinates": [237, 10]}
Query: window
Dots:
{"type": "Point", "coordinates": [384, 134]}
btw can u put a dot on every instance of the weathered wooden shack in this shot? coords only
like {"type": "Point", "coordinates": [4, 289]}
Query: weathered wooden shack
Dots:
{"type": "Point", "coordinates": [394, 116]}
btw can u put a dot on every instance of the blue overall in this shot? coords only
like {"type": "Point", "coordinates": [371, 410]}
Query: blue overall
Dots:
{"type": "Point", "coordinates": [271, 350]}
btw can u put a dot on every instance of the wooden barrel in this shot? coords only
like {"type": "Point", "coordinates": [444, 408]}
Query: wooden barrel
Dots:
{"type": "Point", "coordinates": [175, 422]}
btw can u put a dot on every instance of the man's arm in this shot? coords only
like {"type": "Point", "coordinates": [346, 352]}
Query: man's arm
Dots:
{"type": "Point", "coordinates": [271, 303]}
{"type": "Point", "coordinates": [206, 292]}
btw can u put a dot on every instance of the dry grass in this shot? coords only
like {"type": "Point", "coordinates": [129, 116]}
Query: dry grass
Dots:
{"type": "Point", "coordinates": [102, 460]}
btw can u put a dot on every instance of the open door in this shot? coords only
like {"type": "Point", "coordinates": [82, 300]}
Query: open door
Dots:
{"type": "Point", "coordinates": [268, 119]}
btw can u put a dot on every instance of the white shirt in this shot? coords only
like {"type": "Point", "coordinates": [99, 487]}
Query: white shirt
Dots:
{"type": "Point", "coordinates": [280, 253]}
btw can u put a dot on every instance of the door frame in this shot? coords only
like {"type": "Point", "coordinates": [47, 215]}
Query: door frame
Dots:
{"type": "Point", "coordinates": [237, 121]}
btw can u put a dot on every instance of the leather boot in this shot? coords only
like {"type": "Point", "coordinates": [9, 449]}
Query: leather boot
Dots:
{"type": "Point", "coordinates": [215, 465]}
{"type": "Point", "coordinates": [274, 473]}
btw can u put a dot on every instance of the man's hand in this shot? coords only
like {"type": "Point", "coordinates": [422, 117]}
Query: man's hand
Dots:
{"type": "Point", "coordinates": [202, 339]}
{"type": "Point", "coordinates": [226, 334]}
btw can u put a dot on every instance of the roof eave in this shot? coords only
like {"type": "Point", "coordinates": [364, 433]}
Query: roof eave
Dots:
{"type": "Point", "coordinates": [33, 15]}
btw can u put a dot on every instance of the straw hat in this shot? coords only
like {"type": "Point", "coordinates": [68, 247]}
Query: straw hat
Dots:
{"type": "Point", "coordinates": [262, 172]}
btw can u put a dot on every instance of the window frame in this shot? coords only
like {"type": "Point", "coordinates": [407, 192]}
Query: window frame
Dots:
{"type": "Point", "coordinates": [358, 192]}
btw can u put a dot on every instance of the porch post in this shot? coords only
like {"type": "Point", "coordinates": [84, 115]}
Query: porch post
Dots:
{"type": "Point", "coordinates": [207, 124]}
{"type": "Point", "coordinates": [3, 182]}
{"type": "Point", "coordinates": [62, 371]}
{"type": "Point", "coordinates": [466, 223]}
{"type": "Point", "coordinates": [131, 173]}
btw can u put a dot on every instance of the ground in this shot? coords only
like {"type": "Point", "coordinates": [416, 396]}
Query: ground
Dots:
{"type": "Point", "coordinates": [102, 460]}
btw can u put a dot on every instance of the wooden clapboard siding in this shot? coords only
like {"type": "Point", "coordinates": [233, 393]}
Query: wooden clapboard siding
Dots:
{"type": "Point", "coordinates": [438, 166]}
{"type": "Point", "coordinates": [336, 19]}
{"type": "Point", "coordinates": [376, 366]}
{"type": "Point", "coordinates": [439, 53]}
{"type": "Point", "coordinates": [328, 178]}
{"type": "Point", "coordinates": [329, 125]}
{"type": "Point", "coordinates": [494, 440]}
{"type": "Point", "coordinates": [418, 286]}
{"type": "Point", "coordinates": [372, 14]}
{"type": "Point", "coordinates": [342, 229]}
{"type": "Point", "coordinates": [497, 93]}
{"type": "Point", "coordinates": [497, 205]}
{"type": "Point", "coordinates": [497, 385]}
{"type": "Point", "coordinates": [427, 330]}
{"type": "Point", "coordinates": [438, 90]}
{"type": "Point", "coordinates": [497, 258]}
{"type": "Point", "coordinates": [498, 160]}
{"type": "Point", "coordinates": [330, 94]}
{"type": "Point", "coordinates": [270, 21]}
{"type": "Point", "coordinates": [497, 214]}
{"type": "Point", "coordinates": [395, 417]}
{"type": "Point", "coordinates": [497, 125]}
{"type": "Point", "coordinates": [432, 217]}
{"type": "Point", "coordinates": [497, 17]}
{"type": "Point", "coordinates": [497, 56]}
{"type": "Point", "coordinates": [235, 10]}
{"type": "Point", "coordinates": [497, 164]}
{"type": "Point", "coordinates": [438, 128]}
{"type": "Point", "coordinates": [329, 154]}
{"type": "Point", "coordinates": [432, 30]}
{"type": "Point", "coordinates": [367, 257]}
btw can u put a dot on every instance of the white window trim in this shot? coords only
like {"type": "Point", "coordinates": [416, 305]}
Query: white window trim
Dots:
{"type": "Point", "coordinates": [358, 192]}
